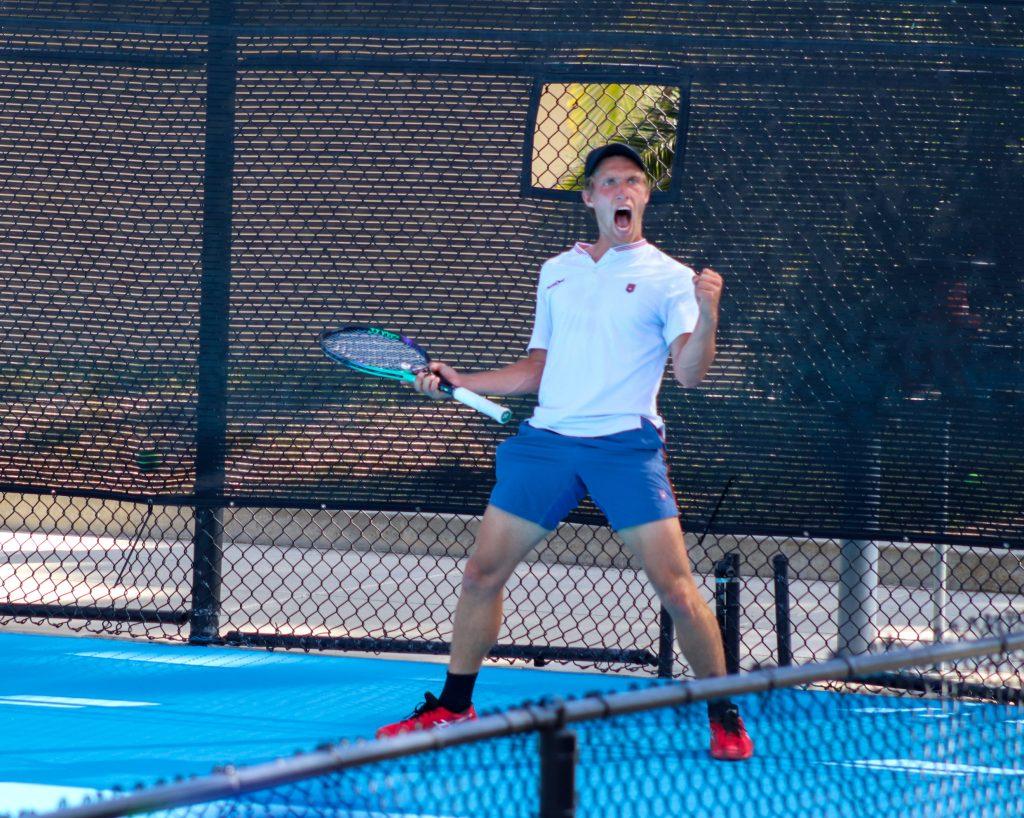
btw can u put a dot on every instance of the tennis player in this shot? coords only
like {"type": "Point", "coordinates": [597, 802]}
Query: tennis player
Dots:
{"type": "Point", "coordinates": [608, 315]}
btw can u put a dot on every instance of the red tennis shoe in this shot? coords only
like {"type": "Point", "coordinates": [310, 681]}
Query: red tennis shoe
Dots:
{"type": "Point", "coordinates": [428, 715]}
{"type": "Point", "coordinates": [729, 738]}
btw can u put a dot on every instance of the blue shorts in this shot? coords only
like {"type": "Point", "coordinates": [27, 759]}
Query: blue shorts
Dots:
{"type": "Point", "coordinates": [542, 476]}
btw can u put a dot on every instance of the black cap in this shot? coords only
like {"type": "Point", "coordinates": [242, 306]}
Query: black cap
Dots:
{"type": "Point", "coordinates": [598, 155]}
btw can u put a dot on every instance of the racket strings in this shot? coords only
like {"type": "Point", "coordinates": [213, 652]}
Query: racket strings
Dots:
{"type": "Point", "coordinates": [375, 351]}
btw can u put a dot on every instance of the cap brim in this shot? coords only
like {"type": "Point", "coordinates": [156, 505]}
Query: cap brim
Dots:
{"type": "Point", "coordinates": [598, 155]}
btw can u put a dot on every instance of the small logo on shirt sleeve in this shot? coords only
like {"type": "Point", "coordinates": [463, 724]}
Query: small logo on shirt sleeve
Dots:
{"type": "Point", "coordinates": [630, 287]}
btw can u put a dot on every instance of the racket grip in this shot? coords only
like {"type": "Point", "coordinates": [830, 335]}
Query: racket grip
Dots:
{"type": "Point", "coordinates": [482, 404]}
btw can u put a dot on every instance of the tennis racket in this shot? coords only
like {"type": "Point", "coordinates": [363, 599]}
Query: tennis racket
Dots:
{"type": "Point", "coordinates": [374, 351]}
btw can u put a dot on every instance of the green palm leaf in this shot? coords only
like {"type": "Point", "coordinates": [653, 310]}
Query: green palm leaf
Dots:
{"type": "Point", "coordinates": [643, 117]}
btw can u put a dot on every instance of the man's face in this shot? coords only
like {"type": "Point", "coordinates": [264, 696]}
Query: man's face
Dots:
{"type": "Point", "coordinates": [618, 193]}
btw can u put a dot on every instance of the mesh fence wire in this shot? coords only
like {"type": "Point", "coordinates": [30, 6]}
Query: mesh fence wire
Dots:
{"type": "Point", "coordinates": [851, 169]}
{"type": "Point", "coordinates": [307, 576]}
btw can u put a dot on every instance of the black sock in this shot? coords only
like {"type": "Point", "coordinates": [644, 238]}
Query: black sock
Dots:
{"type": "Point", "coordinates": [717, 708]}
{"type": "Point", "coordinates": [457, 695]}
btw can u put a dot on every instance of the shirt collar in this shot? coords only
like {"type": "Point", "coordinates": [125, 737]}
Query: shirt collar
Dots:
{"type": "Point", "coordinates": [582, 247]}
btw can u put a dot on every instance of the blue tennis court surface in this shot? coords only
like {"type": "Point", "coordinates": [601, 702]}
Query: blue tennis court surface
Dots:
{"type": "Point", "coordinates": [83, 715]}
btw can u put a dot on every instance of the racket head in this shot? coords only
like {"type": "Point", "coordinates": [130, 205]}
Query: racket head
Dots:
{"type": "Point", "coordinates": [374, 351]}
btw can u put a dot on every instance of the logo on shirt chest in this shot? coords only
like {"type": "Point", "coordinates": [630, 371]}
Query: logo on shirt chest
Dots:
{"type": "Point", "coordinates": [630, 287]}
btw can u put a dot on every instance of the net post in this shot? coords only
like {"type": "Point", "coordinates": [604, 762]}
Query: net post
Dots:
{"type": "Point", "coordinates": [211, 409]}
{"type": "Point", "coordinates": [783, 624]}
{"type": "Point", "coordinates": [666, 637]}
{"type": "Point", "coordinates": [558, 756]}
{"type": "Point", "coordinates": [727, 608]}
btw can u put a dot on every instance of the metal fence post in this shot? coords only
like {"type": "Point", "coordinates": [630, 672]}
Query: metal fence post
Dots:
{"type": "Point", "coordinates": [938, 562]}
{"type": "Point", "coordinates": [938, 557]}
{"type": "Point", "coordinates": [858, 559]}
{"type": "Point", "coordinates": [211, 410]}
{"type": "Point", "coordinates": [727, 607]}
{"type": "Point", "coordinates": [558, 756]}
{"type": "Point", "coordinates": [783, 623]}
{"type": "Point", "coordinates": [666, 643]}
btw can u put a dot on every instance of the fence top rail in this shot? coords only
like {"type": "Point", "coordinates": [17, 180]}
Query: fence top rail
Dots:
{"type": "Point", "coordinates": [485, 33]}
{"type": "Point", "coordinates": [233, 782]}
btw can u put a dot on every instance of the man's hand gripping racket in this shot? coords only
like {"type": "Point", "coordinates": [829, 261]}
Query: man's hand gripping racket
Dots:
{"type": "Point", "coordinates": [375, 351]}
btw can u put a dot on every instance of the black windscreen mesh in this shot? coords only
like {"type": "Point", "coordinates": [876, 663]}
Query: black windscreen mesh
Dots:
{"type": "Point", "coordinates": [851, 169]}
{"type": "Point", "coordinates": [100, 223]}
{"type": "Point", "coordinates": [842, 351]}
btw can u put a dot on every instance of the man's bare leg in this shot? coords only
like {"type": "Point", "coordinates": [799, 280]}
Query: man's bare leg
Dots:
{"type": "Point", "coordinates": [502, 542]}
{"type": "Point", "coordinates": [662, 551]}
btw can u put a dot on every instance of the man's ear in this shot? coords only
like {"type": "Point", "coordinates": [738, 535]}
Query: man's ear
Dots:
{"type": "Point", "coordinates": [587, 200]}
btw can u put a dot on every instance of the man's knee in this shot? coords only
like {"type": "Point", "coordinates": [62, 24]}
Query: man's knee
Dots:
{"type": "Point", "coordinates": [683, 600]}
{"type": "Point", "coordinates": [483, 578]}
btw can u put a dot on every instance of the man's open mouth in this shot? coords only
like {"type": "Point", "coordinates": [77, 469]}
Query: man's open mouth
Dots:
{"type": "Point", "coordinates": [623, 218]}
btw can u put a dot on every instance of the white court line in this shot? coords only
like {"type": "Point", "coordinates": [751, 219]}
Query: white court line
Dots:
{"type": "Point", "coordinates": [40, 797]}
{"type": "Point", "coordinates": [15, 703]}
{"type": "Point", "coordinates": [14, 542]}
{"type": "Point", "coordinates": [245, 660]}
{"type": "Point", "coordinates": [915, 712]}
{"type": "Point", "coordinates": [913, 765]}
{"type": "Point", "coordinates": [67, 701]}
{"type": "Point", "coordinates": [925, 712]}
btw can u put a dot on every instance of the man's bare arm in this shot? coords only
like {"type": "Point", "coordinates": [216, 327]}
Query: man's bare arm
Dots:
{"type": "Point", "coordinates": [693, 352]}
{"type": "Point", "coordinates": [520, 378]}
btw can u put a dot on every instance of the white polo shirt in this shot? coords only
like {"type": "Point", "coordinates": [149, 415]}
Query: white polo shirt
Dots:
{"type": "Point", "coordinates": [607, 327]}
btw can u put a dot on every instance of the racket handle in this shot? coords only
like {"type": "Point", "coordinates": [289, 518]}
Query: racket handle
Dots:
{"type": "Point", "coordinates": [481, 404]}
